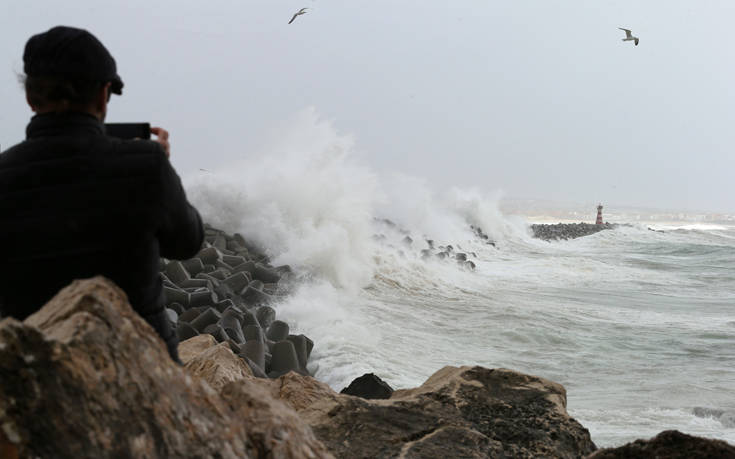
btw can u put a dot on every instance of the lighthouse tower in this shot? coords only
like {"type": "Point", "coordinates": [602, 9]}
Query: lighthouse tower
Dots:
{"type": "Point", "coordinates": [599, 215]}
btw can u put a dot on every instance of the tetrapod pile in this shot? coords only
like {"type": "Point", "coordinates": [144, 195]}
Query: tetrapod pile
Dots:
{"type": "Point", "coordinates": [227, 290]}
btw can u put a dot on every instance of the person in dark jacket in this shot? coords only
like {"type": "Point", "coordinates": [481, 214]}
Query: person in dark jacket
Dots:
{"type": "Point", "coordinates": [75, 203]}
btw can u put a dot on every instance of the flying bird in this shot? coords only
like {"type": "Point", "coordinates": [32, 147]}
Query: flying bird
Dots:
{"type": "Point", "coordinates": [628, 36]}
{"type": "Point", "coordinates": [301, 11]}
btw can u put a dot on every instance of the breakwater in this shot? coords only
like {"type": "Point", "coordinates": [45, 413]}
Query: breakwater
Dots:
{"type": "Point", "coordinates": [566, 231]}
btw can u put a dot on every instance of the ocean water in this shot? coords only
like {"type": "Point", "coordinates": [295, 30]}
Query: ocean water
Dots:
{"type": "Point", "coordinates": [637, 325]}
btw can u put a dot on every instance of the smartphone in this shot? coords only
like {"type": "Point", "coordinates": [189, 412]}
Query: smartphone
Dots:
{"type": "Point", "coordinates": [128, 130]}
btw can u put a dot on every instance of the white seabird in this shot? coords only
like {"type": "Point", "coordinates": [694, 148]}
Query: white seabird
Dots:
{"type": "Point", "coordinates": [628, 36]}
{"type": "Point", "coordinates": [301, 11]}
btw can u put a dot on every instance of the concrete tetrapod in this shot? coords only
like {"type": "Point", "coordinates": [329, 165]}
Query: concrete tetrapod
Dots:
{"type": "Point", "coordinates": [265, 274]}
{"type": "Point", "coordinates": [233, 311]}
{"type": "Point", "coordinates": [255, 351]}
{"type": "Point", "coordinates": [253, 333]}
{"type": "Point", "coordinates": [278, 331]}
{"type": "Point", "coordinates": [185, 331]}
{"type": "Point", "coordinates": [257, 284]}
{"type": "Point", "coordinates": [196, 283]}
{"type": "Point", "coordinates": [217, 331]}
{"type": "Point", "coordinates": [193, 266]}
{"type": "Point", "coordinates": [210, 316]}
{"type": "Point", "coordinates": [237, 281]}
{"type": "Point", "coordinates": [254, 297]}
{"type": "Point", "coordinates": [176, 295]}
{"type": "Point", "coordinates": [265, 315]}
{"type": "Point", "coordinates": [176, 272]}
{"type": "Point", "coordinates": [284, 359]}
{"type": "Point", "coordinates": [299, 344]}
{"type": "Point", "coordinates": [224, 305]}
{"type": "Point", "coordinates": [248, 318]}
{"type": "Point", "coordinates": [209, 255]}
{"type": "Point", "coordinates": [189, 315]}
{"type": "Point", "coordinates": [202, 298]}
{"type": "Point", "coordinates": [232, 327]}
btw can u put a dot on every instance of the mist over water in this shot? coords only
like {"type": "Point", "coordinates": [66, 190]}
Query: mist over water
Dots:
{"type": "Point", "coordinates": [636, 324]}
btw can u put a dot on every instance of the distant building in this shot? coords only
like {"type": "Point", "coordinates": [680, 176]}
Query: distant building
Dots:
{"type": "Point", "coordinates": [599, 215]}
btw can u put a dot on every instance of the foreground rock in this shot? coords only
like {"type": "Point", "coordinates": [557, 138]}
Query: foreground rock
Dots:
{"type": "Point", "coordinates": [86, 377]}
{"type": "Point", "coordinates": [458, 412]}
{"type": "Point", "coordinates": [670, 444]}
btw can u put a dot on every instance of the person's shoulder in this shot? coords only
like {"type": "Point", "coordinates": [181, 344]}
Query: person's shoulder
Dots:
{"type": "Point", "coordinates": [9, 155]}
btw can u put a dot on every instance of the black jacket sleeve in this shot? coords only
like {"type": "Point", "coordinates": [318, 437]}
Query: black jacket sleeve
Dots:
{"type": "Point", "coordinates": [180, 233]}
{"type": "Point", "coordinates": [159, 322]}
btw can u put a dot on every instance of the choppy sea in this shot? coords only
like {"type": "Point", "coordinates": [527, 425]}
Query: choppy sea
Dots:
{"type": "Point", "coordinates": [638, 325]}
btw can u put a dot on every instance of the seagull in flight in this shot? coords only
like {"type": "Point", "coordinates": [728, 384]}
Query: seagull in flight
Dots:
{"type": "Point", "coordinates": [628, 36]}
{"type": "Point", "coordinates": [301, 11]}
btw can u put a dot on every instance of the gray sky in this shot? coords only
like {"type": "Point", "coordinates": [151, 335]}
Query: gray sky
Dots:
{"type": "Point", "coordinates": [539, 99]}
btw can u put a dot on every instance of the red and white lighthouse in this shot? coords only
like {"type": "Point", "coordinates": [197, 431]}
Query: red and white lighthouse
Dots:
{"type": "Point", "coordinates": [599, 215]}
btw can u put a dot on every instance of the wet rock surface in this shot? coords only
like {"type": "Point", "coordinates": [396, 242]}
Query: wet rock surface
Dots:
{"type": "Point", "coordinates": [368, 386]}
{"type": "Point", "coordinates": [565, 231]}
{"type": "Point", "coordinates": [670, 444]}
{"type": "Point", "coordinates": [226, 288]}
{"type": "Point", "coordinates": [87, 377]}
{"type": "Point", "coordinates": [458, 412]}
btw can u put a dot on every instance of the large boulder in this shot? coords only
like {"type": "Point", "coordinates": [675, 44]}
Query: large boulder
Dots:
{"type": "Point", "coordinates": [457, 412]}
{"type": "Point", "coordinates": [87, 377]}
{"type": "Point", "coordinates": [193, 347]}
{"type": "Point", "coordinates": [670, 444]}
{"type": "Point", "coordinates": [218, 365]}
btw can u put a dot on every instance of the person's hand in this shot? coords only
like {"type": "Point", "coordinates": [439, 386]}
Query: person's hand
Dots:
{"type": "Point", "coordinates": [162, 138]}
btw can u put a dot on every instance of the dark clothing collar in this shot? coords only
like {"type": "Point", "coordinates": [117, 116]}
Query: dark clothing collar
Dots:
{"type": "Point", "coordinates": [55, 124]}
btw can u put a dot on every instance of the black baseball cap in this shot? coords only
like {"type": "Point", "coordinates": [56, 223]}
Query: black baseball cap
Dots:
{"type": "Point", "coordinates": [70, 52]}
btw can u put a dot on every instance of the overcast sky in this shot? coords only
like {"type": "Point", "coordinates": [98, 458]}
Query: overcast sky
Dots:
{"type": "Point", "coordinates": [538, 99]}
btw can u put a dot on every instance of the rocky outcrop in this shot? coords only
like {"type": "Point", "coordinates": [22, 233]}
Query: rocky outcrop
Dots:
{"type": "Point", "coordinates": [458, 412]}
{"type": "Point", "coordinates": [86, 377]}
{"type": "Point", "coordinates": [568, 230]}
{"type": "Point", "coordinates": [670, 444]}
